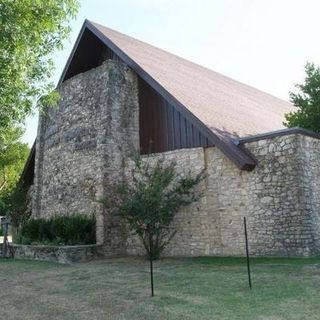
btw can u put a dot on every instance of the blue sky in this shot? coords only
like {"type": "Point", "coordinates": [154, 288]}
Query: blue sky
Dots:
{"type": "Point", "coordinates": [264, 43]}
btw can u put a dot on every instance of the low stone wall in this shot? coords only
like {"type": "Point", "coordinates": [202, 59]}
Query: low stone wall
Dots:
{"type": "Point", "coordinates": [61, 254]}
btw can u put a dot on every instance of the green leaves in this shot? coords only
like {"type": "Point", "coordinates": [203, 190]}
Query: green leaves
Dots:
{"type": "Point", "coordinates": [13, 155]}
{"type": "Point", "coordinates": [75, 229]}
{"type": "Point", "coordinates": [30, 30]}
{"type": "Point", "coordinates": [150, 198]}
{"type": "Point", "coordinates": [16, 204]}
{"type": "Point", "coordinates": [307, 100]}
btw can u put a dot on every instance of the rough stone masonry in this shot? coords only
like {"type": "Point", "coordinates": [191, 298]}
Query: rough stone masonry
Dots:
{"type": "Point", "coordinates": [83, 140]}
{"type": "Point", "coordinates": [89, 136]}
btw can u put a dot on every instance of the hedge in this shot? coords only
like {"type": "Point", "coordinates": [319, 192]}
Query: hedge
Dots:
{"type": "Point", "coordinates": [74, 229]}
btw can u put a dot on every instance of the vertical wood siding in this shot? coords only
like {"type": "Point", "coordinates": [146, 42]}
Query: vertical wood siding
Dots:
{"type": "Point", "coordinates": [162, 127]}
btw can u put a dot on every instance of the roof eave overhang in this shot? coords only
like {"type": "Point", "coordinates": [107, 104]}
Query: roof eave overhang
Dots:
{"type": "Point", "coordinates": [278, 133]}
{"type": "Point", "coordinates": [27, 166]}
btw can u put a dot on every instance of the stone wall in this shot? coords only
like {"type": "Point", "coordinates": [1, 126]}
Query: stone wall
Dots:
{"type": "Point", "coordinates": [280, 199]}
{"type": "Point", "coordinates": [83, 141]}
{"type": "Point", "coordinates": [61, 254]}
{"type": "Point", "coordinates": [309, 161]}
{"type": "Point", "coordinates": [271, 197]}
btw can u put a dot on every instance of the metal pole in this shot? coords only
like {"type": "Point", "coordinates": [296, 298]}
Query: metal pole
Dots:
{"type": "Point", "coordinates": [151, 263]}
{"type": "Point", "coordinates": [5, 240]}
{"type": "Point", "coordinates": [247, 251]}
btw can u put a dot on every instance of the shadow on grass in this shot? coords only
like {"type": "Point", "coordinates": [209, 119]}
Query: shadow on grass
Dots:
{"type": "Point", "coordinates": [230, 261]}
{"type": "Point", "coordinates": [31, 263]}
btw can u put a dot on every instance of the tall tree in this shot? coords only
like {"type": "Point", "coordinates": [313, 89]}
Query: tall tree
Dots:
{"type": "Point", "coordinates": [30, 30]}
{"type": "Point", "coordinates": [307, 101]}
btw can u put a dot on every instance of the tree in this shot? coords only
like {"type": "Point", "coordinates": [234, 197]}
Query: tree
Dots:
{"type": "Point", "coordinates": [16, 204]}
{"type": "Point", "coordinates": [307, 101]}
{"type": "Point", "coordinates": [30, 30]}
{"type": "Point", "coordinates": [149, 200]}
{"type": "Point", "coordinates": [13, 155]}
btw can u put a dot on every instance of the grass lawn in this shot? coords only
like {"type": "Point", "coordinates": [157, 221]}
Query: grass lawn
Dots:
{"type": "Point", "coordinates": [199, 288]}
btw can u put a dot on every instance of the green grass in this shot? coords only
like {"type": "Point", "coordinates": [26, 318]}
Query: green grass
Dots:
{"type": "Point", "coordinates": [199, 288]}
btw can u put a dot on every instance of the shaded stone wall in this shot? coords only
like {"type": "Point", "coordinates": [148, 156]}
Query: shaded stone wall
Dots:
{"type": "Point", "coordinates": [309, 161]}
{"type": "Point", "coordinates": [83, 141]}
{"type": "Point", "coordinates": [280, 199]}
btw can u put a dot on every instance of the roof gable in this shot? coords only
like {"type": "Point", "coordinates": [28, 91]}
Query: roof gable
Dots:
{"type": "Point", "coordinates": [129, 51]}
{"type": "Point", "coordinates": [224, 105]}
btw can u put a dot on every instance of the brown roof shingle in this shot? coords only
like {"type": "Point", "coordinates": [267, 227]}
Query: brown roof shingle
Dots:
{"type": "Point", "coordinates": [224, 105]}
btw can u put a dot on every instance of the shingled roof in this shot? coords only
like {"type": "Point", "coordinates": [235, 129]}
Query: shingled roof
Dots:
{"type": "Point", "coordinates": [221, 103]}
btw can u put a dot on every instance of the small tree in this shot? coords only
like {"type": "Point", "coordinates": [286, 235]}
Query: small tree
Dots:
{"type": "Point", "coordinates": [307, 102]}
{"type": "Point", "coordinates": [149, 199]}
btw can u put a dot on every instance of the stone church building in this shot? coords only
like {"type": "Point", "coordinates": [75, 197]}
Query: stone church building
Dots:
{"type": "Point", "coordinates": [118, 94]}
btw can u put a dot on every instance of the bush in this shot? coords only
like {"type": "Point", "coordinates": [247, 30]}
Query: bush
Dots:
{"type": "Point", "coordinates": [75, 229]}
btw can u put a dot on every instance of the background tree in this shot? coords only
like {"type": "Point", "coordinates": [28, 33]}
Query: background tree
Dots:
{"type": "Point", "coordinates": [30, 30]}
{"type": "Point", "coordinates": [13, 155]}
{"type": "Point", "coordinates": [307, 101]}
{"type": "Point", "coordinates": [150, 198]}
{"type": "Point", "coordinates": [16, 204]}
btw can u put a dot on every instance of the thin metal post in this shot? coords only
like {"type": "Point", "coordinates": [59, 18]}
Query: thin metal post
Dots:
{"type": "Point", "coordinates": [5, 240]}
{"type": "Point", "coordinates": [151, 263]}
{"type": "Point", "coordinates": [247, 251]}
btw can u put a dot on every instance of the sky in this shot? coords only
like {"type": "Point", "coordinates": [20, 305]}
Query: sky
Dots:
{"type": "Point", "coordinates": [263, 43]}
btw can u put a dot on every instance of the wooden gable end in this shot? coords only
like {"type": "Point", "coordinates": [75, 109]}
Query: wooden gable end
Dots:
{"type": "Point", "coordinates": [162, 126]}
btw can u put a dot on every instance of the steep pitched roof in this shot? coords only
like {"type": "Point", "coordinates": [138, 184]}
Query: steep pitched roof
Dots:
{"type": "Point", "coordinates": [224, 105]}
{"type": "Point", "coordinates": [220, 107]}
